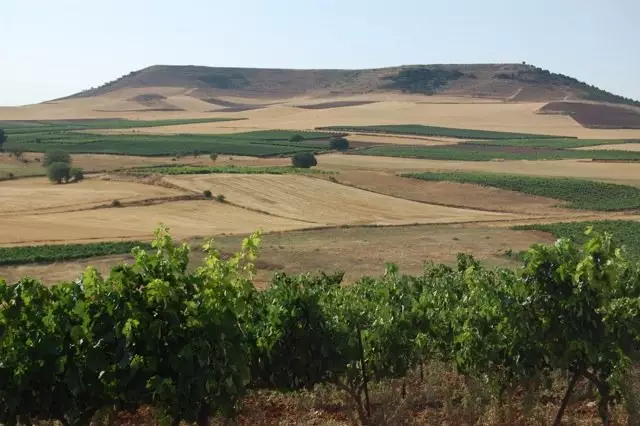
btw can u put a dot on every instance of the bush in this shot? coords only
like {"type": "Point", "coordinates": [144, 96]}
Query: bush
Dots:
{"type": "Point", "coordinates": [304, 160]}
{"type": "Point", "coordinates": [340, 143]}
{"type": "Point", "coordinates": [116, 203]}
{"type": "Point", "coordinates": [207, 194]}
{"type": "Point", "coordinates": [77, 174]}
{"type": "Point", "coordinates": [221, 198]}
{"type": "Point", "coordinates": [296, 138]}
{"type": "Point", "coordinates": [57, 172]}
{"type": "Point", "coordinates": [213, 157]}
{"type": "Point", "coordinates": [3, 138]}
{"type": "Point", "coordinates": [57, 156]}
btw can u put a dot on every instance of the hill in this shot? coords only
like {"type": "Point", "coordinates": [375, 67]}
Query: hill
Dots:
{"type": "Point", "coordinates": [515, 82]}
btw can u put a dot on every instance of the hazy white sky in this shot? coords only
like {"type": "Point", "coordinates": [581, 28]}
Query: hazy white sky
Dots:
{"type": "Point", "coordinates": [52, 48]}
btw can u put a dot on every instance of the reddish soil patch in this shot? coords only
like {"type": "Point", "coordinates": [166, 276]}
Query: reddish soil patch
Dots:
{"type": "Point", "coordinates": [596, 115]}
{"type": "Point", "coordinates": [337, 104]}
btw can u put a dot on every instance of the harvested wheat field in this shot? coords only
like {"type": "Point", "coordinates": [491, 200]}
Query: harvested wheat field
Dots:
{"type": "Point", "coordinates": [509, 117]}
{"type": "Point", "coordinates": [616, 172]}
{"type": "Point", "coordinates": [38, 195]}
{"type": "Point", "coordinates": [452, 193]}
{"type": "Point", "coordinates": [185, 218]}
{"type": "Point", "coordinates": [322, 202]}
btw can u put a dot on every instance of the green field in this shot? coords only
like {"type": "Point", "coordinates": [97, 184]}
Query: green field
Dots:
{"type": "Point", "coordinates": [20, 127]}
{"type": "Point", "coordinates": [263, 143]}
{"type": "Point", "coordinates": [578, 193]}
{"type": "Point", "coordinates": [560, 143]}
{"type": "Point", "coordinates": [63, 252]}
{"type": "Point", "coordinates": [477, 152]}
{"type": "Point", "coordinates": [419, 130]}
{"type": "Point", "coordinates": [625, 232]}
{"type": "Point", "coordinates": [201, 170]}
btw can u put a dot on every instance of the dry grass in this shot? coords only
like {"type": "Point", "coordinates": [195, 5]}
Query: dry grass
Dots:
{"type": "Point", "coordinates": [360, 251]}
{"type": "Point", "coordinates": [37, 195]}
{"type": "Point", "coordinates": [186, 219]}
{"type": "Point", "coordinates": [451, 193]}
{"type": "Point", "coordinates": [322, 202]}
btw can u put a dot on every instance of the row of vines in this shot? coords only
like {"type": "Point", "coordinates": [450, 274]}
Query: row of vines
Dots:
{"type": "Point", "coordinates": [190, 342]}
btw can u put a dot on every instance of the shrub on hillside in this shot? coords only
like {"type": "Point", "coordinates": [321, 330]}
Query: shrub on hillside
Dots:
{"type": "Point", "coordinates": [56, 156]}
{"type": "Point", "coordinates": [221, 198]}
{"type": "Point", "coordinates": [213, 157]}
{"type": "Point", "coordinates": [207, 194]}
{"type": "Point", "coordinates": [339, 143]}
{"type": "Point", "coordinates": [116, 203]}
{"type": "Point", "coordinates": [58, 172]}
{"type": "Point", "coordinates": [304, 160]}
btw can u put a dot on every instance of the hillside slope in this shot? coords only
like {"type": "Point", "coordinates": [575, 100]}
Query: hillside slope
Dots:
{"type": "Point", "coordinates": [516, 82]}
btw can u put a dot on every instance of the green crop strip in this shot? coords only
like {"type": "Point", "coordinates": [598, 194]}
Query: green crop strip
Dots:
{"type": "Point", "coordinates": [578, 193]}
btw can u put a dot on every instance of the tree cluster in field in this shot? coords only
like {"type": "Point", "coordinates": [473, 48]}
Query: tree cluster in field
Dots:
{"type": "Point", "coordinates": [58, 164]}
{"type": "Point", "coordinates": [189, 343]}
{"type": "Point", "coordinates": [3, 139]}
{"type": "Point", "coordinates": [426, 80]}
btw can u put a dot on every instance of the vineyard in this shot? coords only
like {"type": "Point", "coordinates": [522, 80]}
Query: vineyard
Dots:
{"type": "Point", "coordinates": [626, 231]}
{"type": "Point", "coordinates": [263, 143]}
{"type": "Point", "coordinates": [25, 127]}
{"type": "Point", "coordinates": [419, 130]}
{"type": "Point", "coordinates": [562, 143]}
{"type": "Point", "coordinates": [488, 152]}
{"type": "Point", "coordinates": [578, 193]}
{"type": "Point", "coordinates": [62, 252]}
{"type": "Point", "coordinates": [190, 342]}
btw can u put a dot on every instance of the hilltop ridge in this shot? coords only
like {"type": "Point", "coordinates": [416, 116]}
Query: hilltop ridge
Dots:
{"type": "Point", "coordinates": [511, 82]}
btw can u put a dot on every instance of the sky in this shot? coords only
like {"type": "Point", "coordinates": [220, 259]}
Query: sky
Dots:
{"type": "Point", "coordinates": [53, 48]}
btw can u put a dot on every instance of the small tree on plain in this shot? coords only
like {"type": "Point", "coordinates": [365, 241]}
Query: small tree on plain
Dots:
{"type": "Point", "coordinates": [207, 194]}
{"type": "Point", "coordinates": [213, 157]}
{"type": "Point", "coordinates": [296, 138]}
{"type": "Point", "coordinates": [77, 174]}
{"type": "Point", "coordinates": [340, 144]}
{"type": "Point", "coordinates": [58, 172]}
{"type": "Point", "coordinates": [3, 139]}
{"type": "Point", "coordinates": [56, 156]}
{"type": "Point", "coordinates": [304, 160]}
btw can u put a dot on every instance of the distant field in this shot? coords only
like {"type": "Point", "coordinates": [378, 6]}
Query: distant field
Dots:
{"type": "Point", "coordinates": [579, 194]}
{"type": "Point", "coordinates": [486, 152]}
{"type": "Point", "coordinates": [20, 127]}
{"type": "Point", "coordinates": [626, 232]}
{"type": "Point", "coordinates": [267, 143]}
{"type": "Point", "coordinates": [560, 143]}
{"type": "Point", "coordinates": [200, 170]}
{"type": "Point", "coordinates": [420, 130]}
{"type": "Point", "coordinates": [325, 203]}
{"type": "Point", "coordinates": [63, 252]}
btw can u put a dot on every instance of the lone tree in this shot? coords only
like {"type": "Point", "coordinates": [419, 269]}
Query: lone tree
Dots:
{"type": "Point", "coordinates": [58, 172]}
{"type": "Point", "coordinates": [339, 143]}
{"type": "Point", "coordinates": [213, 157]}
{"type": "Point", "coordinates": [3, 139]}
{"type": "Point", "coordinates": [304, 160]}
{"type": "Point", "coordinates": [76, 174]}
{"type": "Point", "coordinates": [57, 156]}
{"type": "Point", "coordinates": [296, 138]}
